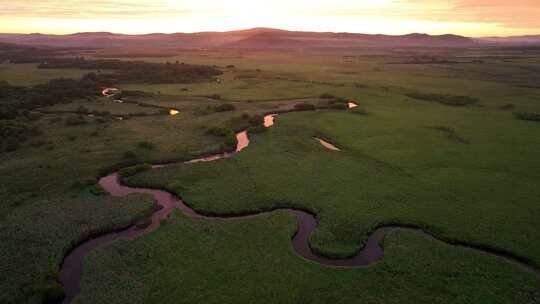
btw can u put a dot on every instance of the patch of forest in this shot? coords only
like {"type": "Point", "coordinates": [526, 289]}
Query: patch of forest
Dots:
{"type": "Point", "coordinates": [16, 99]}
{"type": "Point", "coordinates": [137, 71]}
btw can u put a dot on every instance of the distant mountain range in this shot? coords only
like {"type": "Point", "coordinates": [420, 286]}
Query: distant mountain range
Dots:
{"type": "Point", "coordinates": [513, 40]}
{"type": "Point", "coordinates": [255, 38]}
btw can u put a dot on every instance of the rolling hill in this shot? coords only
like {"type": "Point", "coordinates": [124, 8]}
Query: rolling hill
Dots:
{"type": "Point", "coordinates": [252, 38]}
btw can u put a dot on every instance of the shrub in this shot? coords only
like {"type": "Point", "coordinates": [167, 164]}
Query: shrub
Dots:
{"type": "Point", "coordinates": [13, 133]}
{"type": "Point", "coordinates": [143, 223]}
{"type": "Point", "coordinates": [443, 129]}
{"type": "Point", "coordinates": [527, 116]}
{"type": "Point", "coordinates": [100, 120]}
{"type": "Point", "coordinates": [215, 96]}
{"type": "Point", "coordinates": [230, 66]}
{"type": "Point", "coordinates": [74, 120]}
{"type": "Point", "coordinates": [104, 113]}
{"type": "Point", "coordinates": [97, 190]}
{"type": "Point", "coordinates": [360, 111]}
{"type": "Point", "coordinates": [449, 100]}
{"type": "Point", "coordinates": [202, 111]}
{"type": "Point", "coordinates": [220, 131]}
{"type": "Point", "coordinates": [11, 145]}
{"type": "Point", "coordinates": [130, 171]}
{"type": "Point", "coordinates": [129, 155]}
{"type": "Point", "coordinates": [451, 134]}
{"type": "Point", "coordinates": [38, 143]}
{"type": "Point", "coordinates": [82, 110]}
{"type": "Point", "coordinates": [507, 107]}
{"type": "Point", "coordinates": [128, 94]}
{"type": "Point", "coordinates": [257, 129]}
{"type": "Point", "coordinates": [8, 113]}
{"type": "Point", "coordinates": [230, 137]}
{"type": "Point", "coordinates": [82, 184]}
{"type": "Point", "coordinates": [51, 292]}
{"type": "Point", "coordinates": [230, 143]}
{"type": "Point", "coordinates": [146, 145]}
{"type": "Point", "coordinates": [304, 106]}
{"type": "Point", "coordinates": [55, 120]}
{"type": "Point", "coordinates": [256, 120]}
{"type": "Point", "coordinates": [327, 96]}
{"type": "Point", "coordinates": [33, 116]}
{"type": "Point", "coordinates": [225, 107]}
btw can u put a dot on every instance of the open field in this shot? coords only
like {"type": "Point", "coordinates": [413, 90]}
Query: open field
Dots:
{"type": "Point", "coordinates": [381, 176]}
{"type": "Point", "coordinates": [169, 266]}
{"type": "Point", "coordinates": [411, 154]}
{"type": "Point", "coordinates": [27, 74]}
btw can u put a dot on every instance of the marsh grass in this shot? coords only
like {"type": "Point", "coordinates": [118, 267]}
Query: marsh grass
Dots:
{"type": "Point", "coordinates": [451, 134]}
{"type": "Point", "coordinates": [146, 145]}
{"type": "Point", "coordinates": [225, 107]}
{"type": "Point", "coordinates": [304, 106]}
{"type": "Point", "coordinates": [130, 171]}
{"type": "Point", "coordinates": [393, 170]}
{"type": "Point", "coordinates": [527, 116]}
{"type": "Point", "coordinates": [445, 99]}
{"type": "Point", "coordinates": [75, 120]}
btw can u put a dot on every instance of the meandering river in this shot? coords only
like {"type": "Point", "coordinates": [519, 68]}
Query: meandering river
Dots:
{"type": "Point", "coordinates": [72, 267]}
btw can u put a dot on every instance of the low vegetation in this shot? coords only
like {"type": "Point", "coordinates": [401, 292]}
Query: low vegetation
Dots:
{"type": "Point", "coordinates": [527, 116]}
{"type": "Point", "coordinates": [448, 100]}
{"type": "Point", "coordinates": [225, 107]}
{"type": "Point", "coordinates": [450, 133]}
{"type": "Point", "coordinates": [229, 136]}
{"type": "Point", "coordinates": [14, 133]}
{"type": "Point", "coordinates": [14, 99]}
{"type": "Point", "coordinates": [392, 170]}
{"type": "Point", "coordinates": [130, 171]}
{"type": "Point", "coordinates": [146, 145]}
{"type": "Point", "coordinates": [450, 274]}
{"type": "Point", "coordinates": [136, 71]}
{"type": "Point", "coordinates": [304, 106]}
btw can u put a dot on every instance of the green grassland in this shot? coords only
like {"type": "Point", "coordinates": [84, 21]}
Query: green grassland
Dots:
{"type": "Point", "coordinates": [390, 170]}
{"type": "Point", "coordinates": [466, 173]}
{"type": "Point", "coordinates": [47, 184]}
{"type": "Point", "coordinates": [27, 74]}
{"type": "Point", "coordinates": [251, 261]}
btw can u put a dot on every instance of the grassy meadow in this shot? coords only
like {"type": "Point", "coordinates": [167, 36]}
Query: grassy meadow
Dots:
{"type": "Point", "coordinates": [251, 261]}
{"type": "Point", "coordinates": [467, 173]}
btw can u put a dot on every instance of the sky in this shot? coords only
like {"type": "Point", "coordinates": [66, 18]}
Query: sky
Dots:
{"type": "Point", "coordinates": [464, 17]}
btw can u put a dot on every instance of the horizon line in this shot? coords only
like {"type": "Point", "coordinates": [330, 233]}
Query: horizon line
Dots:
{"type": "Point", "coordinates": [257, 28]}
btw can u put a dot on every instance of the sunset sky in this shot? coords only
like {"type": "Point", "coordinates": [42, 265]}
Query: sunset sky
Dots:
{"type": "Point", "coordinates": [465, 17]}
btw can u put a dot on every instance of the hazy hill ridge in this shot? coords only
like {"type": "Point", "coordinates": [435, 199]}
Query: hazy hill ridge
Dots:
{"type": "Point", "coordinates": [251, 38]}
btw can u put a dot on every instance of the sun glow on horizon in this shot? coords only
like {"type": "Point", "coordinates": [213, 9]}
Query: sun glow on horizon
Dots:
{"type": "Point", "coordinates": [466, 17]}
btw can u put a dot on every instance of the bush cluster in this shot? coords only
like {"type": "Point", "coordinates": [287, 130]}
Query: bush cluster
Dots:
{"type": "Point", "coordinates": [449, 100]}
{"type": "Point", "coordinates": [327, 96]}
{"type": "Point", "coordinates": [304, 106]}
{"type": "Point", "coordinates": [14, 133]}
{"type": "Point", "coordinates": [225, 107]}
{"type": "Point", "coordinates": [527, 116]}
{"type": "Point", "coordinates": [136, 71]}
{"type": "Point", "coordinates": [130, 171]}
{"type": "Point", "coordinates": [75, 120]}
{"type": "Point", "coordinates": [220, 131]}
{"type": "Point", "coordinates": [146, 145]}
